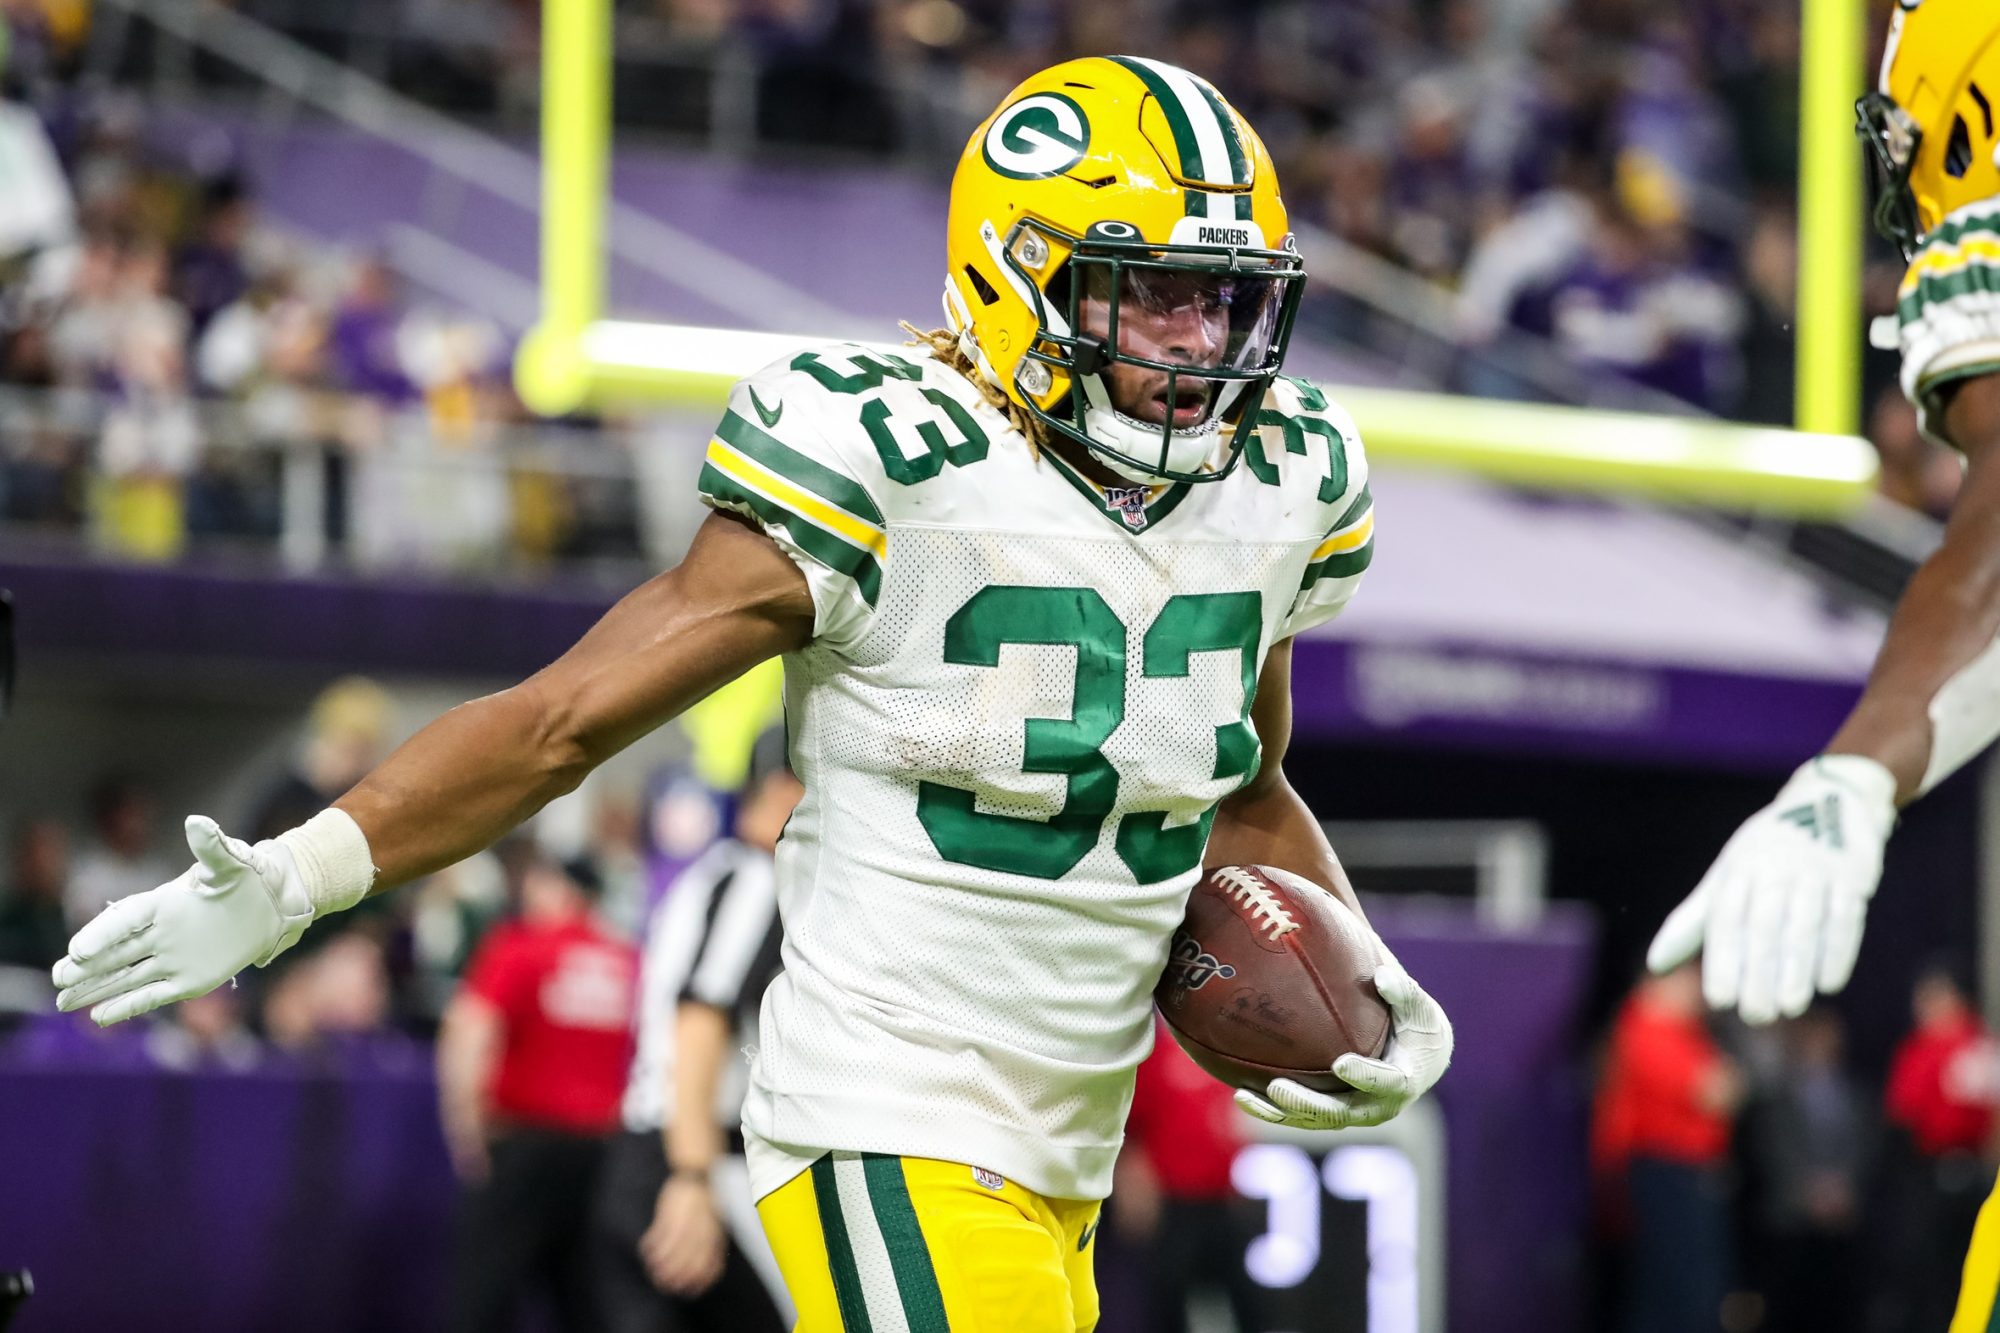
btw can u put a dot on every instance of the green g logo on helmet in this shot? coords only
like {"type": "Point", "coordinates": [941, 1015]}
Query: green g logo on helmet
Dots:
{"type": "Point", "coordinates": [1037, 137]}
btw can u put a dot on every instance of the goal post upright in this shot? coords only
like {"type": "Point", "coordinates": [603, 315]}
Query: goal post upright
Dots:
{"type": "Point", "coordinates": [552, 372]}
{"type": "Point", "coordinates": [1831, 215]}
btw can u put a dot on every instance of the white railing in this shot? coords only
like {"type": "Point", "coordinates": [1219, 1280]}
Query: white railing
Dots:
{"type": "Point", "coordinates": [322, 481]}
{"type": "Point", "coordinates": [1505, 862]}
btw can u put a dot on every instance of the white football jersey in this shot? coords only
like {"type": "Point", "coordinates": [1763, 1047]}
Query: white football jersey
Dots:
{"type": "Point", "coordinates": [1024, 698]}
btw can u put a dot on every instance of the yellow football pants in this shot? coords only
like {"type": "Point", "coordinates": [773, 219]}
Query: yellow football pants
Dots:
{"type": "Point", "coordinates": [870, 1243]}
{"type": "Point", "coordinates": [1977, 1290]}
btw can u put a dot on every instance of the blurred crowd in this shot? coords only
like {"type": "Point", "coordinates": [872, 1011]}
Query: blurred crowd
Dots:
{"type": "Point", "coordinates": [1605, 183]}
{"type": "Point", "coordinates": [1752, 1179]}
{"type": "Point", "coordinates": [177, 372]}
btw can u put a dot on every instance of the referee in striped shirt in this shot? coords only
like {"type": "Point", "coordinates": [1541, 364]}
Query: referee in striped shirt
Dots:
{"type": "Point", "coordinates": [679, 1246]}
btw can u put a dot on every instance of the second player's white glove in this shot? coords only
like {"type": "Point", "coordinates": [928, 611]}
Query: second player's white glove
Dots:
{"type": "Point", "coordinates": [1419, 1049]}
{"type": "Point", "coordinates": [235, 906]}
{"type": "Point", "coordinates": [1779, 915]}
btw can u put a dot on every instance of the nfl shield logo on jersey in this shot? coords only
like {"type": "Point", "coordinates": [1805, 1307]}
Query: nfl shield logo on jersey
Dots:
{"type": "Point", "coordinates": [1129, 501]}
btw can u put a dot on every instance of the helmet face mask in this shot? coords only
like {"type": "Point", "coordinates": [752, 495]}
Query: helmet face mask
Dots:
{"type": "Point", "coordinates": [1892, 139]}
{"type": "Point", "coordinates": [1120, 303]}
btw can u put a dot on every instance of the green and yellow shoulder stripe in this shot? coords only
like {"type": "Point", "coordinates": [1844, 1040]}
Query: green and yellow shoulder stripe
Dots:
{"type": "Point", "coordinates": [1960, 259]}
{"type": "Point", "coordinates": [1949, 305]}
{"type": "Point", "coordinates": [821, 511]}
{"type": "Point", "coordinates": [1349, 545]}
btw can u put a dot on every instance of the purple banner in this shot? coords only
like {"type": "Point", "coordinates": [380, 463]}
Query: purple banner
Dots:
{"type": "Point", "coordinates": [1503, 699]}
{"type": "Point", "coordinates": [1400, 693]}
{"type": "Point", "coordinates": [408, 624]}
{"type": "Point", "coordinates": [287, 1199]}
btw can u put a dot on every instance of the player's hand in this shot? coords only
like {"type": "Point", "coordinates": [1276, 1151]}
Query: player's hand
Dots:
{"type": "Point", "coordinates": [1778, 916]}
{"type": "Point", "coordinates": [236, 905]}
{"type": "Point", "coordinates": [1948, 320]}
{"type": "Point", "coordinates": [1419, 1049]}
{"type": "Point", "coordinates": [684, 1248]}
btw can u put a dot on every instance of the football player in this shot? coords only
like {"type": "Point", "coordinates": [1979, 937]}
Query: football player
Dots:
{"type": "Point", "coordinates": [1779, 916]}
{"type": "Point", "coordinates": [1036, 582]}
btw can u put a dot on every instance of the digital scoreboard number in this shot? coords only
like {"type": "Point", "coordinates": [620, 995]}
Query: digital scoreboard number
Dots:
{"type": "Point", "coordinates": [1353, 1235]}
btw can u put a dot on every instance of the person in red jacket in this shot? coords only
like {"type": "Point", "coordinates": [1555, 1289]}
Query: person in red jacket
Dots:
{"type": "Point", "coordinates": [1660, 1138]}
{"type": "Point", "coordinates": [1940, 1081]}
{"type": "Point", "coordinates": [531, 1068]}
{"type": "Point", "coordinates": [1941, 1098]}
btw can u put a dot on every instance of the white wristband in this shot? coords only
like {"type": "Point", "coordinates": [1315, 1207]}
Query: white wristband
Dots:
{"type": "Point", "coordinates": [1867, 778]}
{"type": "Point", "coordinates": [332, 856]}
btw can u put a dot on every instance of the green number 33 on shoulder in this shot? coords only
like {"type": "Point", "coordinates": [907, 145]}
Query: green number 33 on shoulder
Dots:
{"type": "Point", "coordinates": [946, 434]}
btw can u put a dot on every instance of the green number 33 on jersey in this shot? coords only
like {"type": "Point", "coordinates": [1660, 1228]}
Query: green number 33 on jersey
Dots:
{"type": "Point", "coordinates": [1079, 617]}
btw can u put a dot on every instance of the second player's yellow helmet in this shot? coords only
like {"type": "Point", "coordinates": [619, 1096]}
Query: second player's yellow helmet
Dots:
{"type": "Point", "coordinates": [1931, 126]}
{"type": "Point", "coordinates": [1109, 183]}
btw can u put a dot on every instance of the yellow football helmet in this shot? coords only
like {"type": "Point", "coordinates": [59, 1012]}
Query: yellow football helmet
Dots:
{"type": "Point", "coordinates": [1930, 129]}
{"type": "Point", "coordinates": [1118, 184]}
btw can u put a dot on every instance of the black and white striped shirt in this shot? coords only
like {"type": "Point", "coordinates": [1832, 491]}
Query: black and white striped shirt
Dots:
{"type": "Point", "coordinates": [714, 938]}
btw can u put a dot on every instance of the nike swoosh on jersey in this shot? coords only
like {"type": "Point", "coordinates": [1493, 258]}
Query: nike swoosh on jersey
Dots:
{"type": "Point", "coordinates": [768, 415]}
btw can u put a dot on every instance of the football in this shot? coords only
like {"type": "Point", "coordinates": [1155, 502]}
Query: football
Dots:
{"type": "Point", "coordinates": [1271, 976]}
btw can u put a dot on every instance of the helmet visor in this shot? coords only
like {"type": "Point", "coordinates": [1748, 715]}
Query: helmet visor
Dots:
{"type": "Point", "coordinates": [1180, 317]}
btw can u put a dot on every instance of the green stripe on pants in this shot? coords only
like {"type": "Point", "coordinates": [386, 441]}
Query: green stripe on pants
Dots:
{"type": "Point", "coordinates": [839, 1249]}
{"type": "Point", "coordinates": [909, 1255]}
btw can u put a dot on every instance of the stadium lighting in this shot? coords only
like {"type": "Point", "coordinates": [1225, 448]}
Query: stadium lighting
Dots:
{"type": "Point", "coordinates": [575, 358]}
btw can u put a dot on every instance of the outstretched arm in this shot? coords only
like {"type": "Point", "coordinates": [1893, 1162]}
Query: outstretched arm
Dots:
{"type": "Point", "coordinates": [482, 768]}
{"type": "Point", "coordinates": [455, 786]}
{"type": "Point", "coordinates": [1947, 619]}
{"type": "Point", "coordinates": [1779, 916]}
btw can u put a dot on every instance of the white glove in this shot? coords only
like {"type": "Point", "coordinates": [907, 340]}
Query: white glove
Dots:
{"type": "Point", "coordinates": [1779, 914]}
{"type": "Point", "coordinates": [1418, 1051]}
{"type": "Point", "coordinates": [1948, 310]}
{"type": "Point", "coordinates": [236, 905]}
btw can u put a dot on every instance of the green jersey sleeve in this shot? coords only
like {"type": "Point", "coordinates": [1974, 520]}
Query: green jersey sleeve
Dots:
{"type": "Point", "coordinates": [1948, 308]}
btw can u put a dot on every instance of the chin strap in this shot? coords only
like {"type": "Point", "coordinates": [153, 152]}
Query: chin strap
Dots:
{"type": "Point", "coordinates": [1187, 450]}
